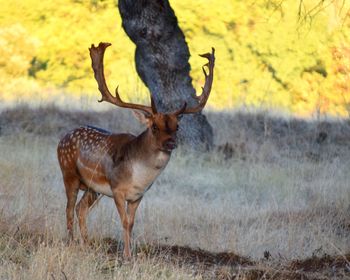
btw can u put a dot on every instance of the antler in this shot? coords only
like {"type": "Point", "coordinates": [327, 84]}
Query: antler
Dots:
{"type": "Point", "coordinates": [96, 54]}
{"type": "Point", "coordinates": [202, 99]}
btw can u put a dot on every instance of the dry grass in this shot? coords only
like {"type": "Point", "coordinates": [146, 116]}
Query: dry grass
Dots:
{"type": "Point", "coordinates": [274, 195]}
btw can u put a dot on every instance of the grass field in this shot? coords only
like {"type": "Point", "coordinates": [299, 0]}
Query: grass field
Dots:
{"type": "Point", "coordinates": [272, 201]}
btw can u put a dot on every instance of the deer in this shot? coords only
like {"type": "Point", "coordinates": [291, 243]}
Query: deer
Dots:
{"type": "Point", "coordinates": [120, 166]}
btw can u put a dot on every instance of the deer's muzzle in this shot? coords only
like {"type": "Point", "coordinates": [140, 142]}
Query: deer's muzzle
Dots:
{"type": "Point", "coordinates": [169, 145]}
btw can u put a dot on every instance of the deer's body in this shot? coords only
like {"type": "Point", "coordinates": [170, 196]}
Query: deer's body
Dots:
{"type": "Point", "coordinates": [89, 154]}
{"type": "Point", "coordinates": [121, 166]}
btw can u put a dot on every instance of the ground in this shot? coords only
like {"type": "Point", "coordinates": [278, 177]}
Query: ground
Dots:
{"type": "Point", "coordinates": [271, 201]}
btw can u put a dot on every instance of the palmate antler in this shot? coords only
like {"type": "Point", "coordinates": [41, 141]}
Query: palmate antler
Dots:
{"type": "Point", "coordinates": [96, 54]}
{"type": "Point", "coordinates": [203, 98]}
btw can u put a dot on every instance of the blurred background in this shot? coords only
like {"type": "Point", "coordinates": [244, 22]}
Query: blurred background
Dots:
{"type": "Point", "coordinates": [288, 56]}
{"type": "Point", "coordinates": [274, 189]}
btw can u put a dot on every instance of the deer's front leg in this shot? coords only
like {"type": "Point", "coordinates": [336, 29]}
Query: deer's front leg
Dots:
{"type": "Point", "coordinates": [119, 199]}
{"type": "Point", "coordinates": [131, 211]}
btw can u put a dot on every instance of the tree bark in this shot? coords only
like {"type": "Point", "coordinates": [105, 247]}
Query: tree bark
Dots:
{"type": "Point", "coordinates": [162, 63]}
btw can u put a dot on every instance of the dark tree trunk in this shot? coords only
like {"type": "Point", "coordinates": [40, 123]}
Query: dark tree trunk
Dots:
{"type": "Point", "coordinates": [162, 63]}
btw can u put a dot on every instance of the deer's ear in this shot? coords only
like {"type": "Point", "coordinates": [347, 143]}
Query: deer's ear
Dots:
{"type": "Point", "coordinates": [143, 117]}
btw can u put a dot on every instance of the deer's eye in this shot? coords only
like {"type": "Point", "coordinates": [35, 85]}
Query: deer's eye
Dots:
{"type": "Point", "coordinates": [177, 128]}
{"type": "Point", "coordinates": [154, 128]}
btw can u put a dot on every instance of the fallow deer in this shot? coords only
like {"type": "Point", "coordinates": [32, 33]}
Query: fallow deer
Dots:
{"type": "Point", "coordinates": [121, 166]}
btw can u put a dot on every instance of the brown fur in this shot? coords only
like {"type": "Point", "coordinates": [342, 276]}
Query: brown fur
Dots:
{"type": "Point", "coordinates": [121, 166]}
{"type": "Point", "coordinates": [96, 161]}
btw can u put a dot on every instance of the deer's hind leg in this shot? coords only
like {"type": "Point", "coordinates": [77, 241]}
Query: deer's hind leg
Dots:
{"type": "Point", "coordinates": [82, 209]}
{"type": "Point", "coordinates": [71, 184]}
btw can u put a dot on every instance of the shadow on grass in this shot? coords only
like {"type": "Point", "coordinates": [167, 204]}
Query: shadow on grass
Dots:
{"type": "Point", "coordinates": [208, 265]}
{"type": "Point", "coordinates": [228, 265]}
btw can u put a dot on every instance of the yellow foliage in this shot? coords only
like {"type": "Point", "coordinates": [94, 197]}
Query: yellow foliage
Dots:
{"type": "Point", "coordinates": [17, 49]}
{"type": "Point", "coordinates": [270, 54]}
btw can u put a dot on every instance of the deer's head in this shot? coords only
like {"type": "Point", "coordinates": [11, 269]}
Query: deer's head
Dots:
{"type": "Point", "coordinates": [161, 126]}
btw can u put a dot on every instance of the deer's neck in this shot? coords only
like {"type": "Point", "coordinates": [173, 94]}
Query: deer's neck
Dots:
{"type": "Point", "coordinates": [148, 152]}
{"type": "Point", "coordinates": [146, 164]}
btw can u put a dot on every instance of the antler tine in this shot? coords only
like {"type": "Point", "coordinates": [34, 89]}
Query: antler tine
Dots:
{"type": "Point", "coordinates": [203, 98]}
{"type": "Point", "coordinates": [153, 105]}
{"type": "Point", "coordinates": [97, 54]}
